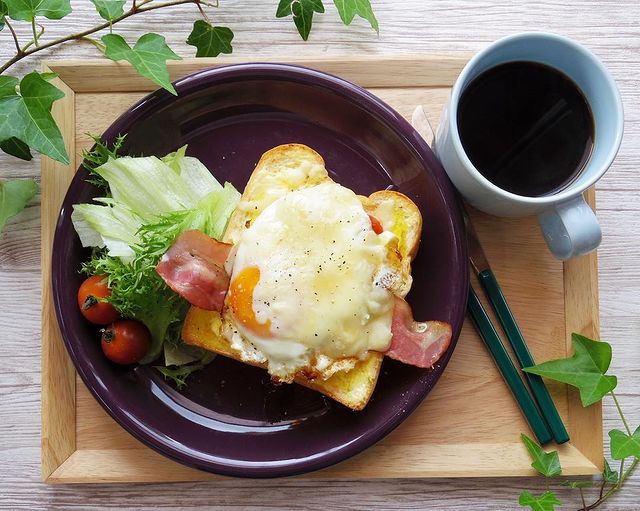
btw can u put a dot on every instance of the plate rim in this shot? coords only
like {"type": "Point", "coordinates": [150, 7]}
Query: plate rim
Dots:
{"type": "Point", "coordinates": [374, 105]}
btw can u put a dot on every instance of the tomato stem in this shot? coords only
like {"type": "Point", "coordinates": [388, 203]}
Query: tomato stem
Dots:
{"type": "Point", "coordinates": [89, 302]}
{"type": "Point", "coordinates": [108, 334]}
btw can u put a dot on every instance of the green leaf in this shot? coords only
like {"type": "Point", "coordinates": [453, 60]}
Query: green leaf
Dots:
{"type": "Point", "coordinates": [8, 86]}
{"type": "Point", "coordinates": [578, 484]}
{"type": "Point", "coordinates": [109, 9]}
{"type": "Point", "coordinates": [27, 115]}
{"type": "Point", "coordinates": [547, 463]}
{"type": "Point", "coordinates": [623, 445]}
{"type": "Point", "coordinates": [149, 56]}
{"type": "Point", "coordinates": [48, 76]}
{"type": "Point", "coordinates": [14, 196]}
{"type": "Point", "coordinates": [302, 12]}
{"type": "Point", "coordinates": [26, 10]}
{"type": "Point", "coordinates": [210, 41]}
{"type": "Point", "coordinates": [349, 8]}
{"type": "Point", "coordinates": [100, 154]}
{"type": "Point", "coordinates": [610, 476]}
{"type": "Point", "coordinates": [544, 502]}
{"type": "Point", "coordinates": [585, 369]}
{"type": "Point", "coordinates": [180, 374]}
{"type": "Point", "coordinates": [16, 147]}
{"type": "Point", "coordinates": [3, 12]}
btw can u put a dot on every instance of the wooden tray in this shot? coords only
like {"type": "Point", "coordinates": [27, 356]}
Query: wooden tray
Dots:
{"type": "Point", "coordinates": [468, 426]}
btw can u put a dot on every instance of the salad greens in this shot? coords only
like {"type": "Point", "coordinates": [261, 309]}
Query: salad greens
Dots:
{"type": "Point", "coordinates": [144, 189]}
{"type": "Point", "coordinates": [98, 155]}
{"type": "Point", "coordinates": [179, 374]}
{"type": "Point", "coordinates": [151, 202]}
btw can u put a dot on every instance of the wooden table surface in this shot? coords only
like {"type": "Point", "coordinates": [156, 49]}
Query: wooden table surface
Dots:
{"type": "Point", "coordinates": [611, 28]}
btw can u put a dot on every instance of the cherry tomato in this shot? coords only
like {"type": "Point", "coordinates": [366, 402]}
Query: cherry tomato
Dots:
{"type": "Point", "coordinates": [125, 341]}
{"type": "Point", "coordinates": [90, 295]}
{"type": "Point", "coordinates": [375, 224]}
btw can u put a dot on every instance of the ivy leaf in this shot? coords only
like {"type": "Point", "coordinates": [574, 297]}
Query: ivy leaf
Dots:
{"type": "Point", "coordinates": [27, 10]}
{"type": "Point", "coordinates": [623, 445]}
{"type": "Point", "coordinates": [16, 147]}
{"type": "Point", "coordinates": [585, 369]}
{"type": "Point", "coordinates": [14, 196]}
{"type": "Point", "coordinates": [3, 12]}
{"type": "Point", "coordinates": [610, 476]}
{"type": "Point", "coordinates": [544, 502]}
{"type": "Point", "coordinates": [210, 41]}
{"type": "Point", "coordinates": [8, 86]}
{"type": "Point", "coordinates": [27, 115]}
{"type": "Point", "coordinates": [109, 9]}
{"type": "Point", "coordinates": [302, 12]}
{"type": "Point", "coordinates": [349, 8]}
{"type": "Point", "coordinates": [547, 463]}
{"type": "Point", "coordinates": [48, 76]}
{"type": "Point", "coordinates": [149, 56]}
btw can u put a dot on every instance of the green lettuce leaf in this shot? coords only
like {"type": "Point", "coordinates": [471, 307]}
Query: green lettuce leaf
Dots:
{"type": "Point", "coordinates": [168, 195]}
{"type": "Point", "coordinates": [179, 374]}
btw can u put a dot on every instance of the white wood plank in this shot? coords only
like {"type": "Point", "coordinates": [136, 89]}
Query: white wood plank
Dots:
{"type": "Point", "coordinates": [610, 28]}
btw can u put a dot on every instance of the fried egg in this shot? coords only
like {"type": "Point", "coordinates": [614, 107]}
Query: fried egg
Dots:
{"type": "Point", "coordinates": [309, 285]}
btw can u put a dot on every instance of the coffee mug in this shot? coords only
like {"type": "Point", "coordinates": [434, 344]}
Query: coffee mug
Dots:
{"type": "Point", "coordinates": [569, 225]}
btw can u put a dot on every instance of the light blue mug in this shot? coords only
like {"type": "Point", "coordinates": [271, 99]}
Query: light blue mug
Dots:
{"type": "Point", "coordinates": [569, 225]}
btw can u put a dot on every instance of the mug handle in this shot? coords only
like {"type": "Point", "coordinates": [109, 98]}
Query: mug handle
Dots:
{"type": "Point", "coordinates": [570, 228]}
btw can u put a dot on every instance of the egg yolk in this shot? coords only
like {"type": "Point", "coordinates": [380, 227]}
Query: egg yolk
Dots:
{"type": "Point", "coordinates": [241, 301]}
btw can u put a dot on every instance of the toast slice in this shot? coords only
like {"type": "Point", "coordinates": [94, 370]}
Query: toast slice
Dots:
{"type": "Point", "coordinates": [288, 168]}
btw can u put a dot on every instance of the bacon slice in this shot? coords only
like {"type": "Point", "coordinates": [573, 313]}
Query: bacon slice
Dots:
{"type": "Point", "coordinates": [414, 343]}
{"type": "Point", "coordinates": [194, 268]}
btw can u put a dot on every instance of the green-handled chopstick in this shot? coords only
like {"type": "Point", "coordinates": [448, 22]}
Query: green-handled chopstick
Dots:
{"type": "Point", "coordinates": [514, 335]}
{"type": "Point", "coordinates": [505, 365]}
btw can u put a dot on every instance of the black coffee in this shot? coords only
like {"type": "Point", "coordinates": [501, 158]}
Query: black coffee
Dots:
{"type": "Point", "coordinates": [526, 127]}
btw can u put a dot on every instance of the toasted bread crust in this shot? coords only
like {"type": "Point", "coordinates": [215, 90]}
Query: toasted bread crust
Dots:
{"type": "Point", "coordinates": [267, 171]}
{"type": "Point", "coordinates": [303, 167]}
{"type": "Point", "coordinates": [353, 388]}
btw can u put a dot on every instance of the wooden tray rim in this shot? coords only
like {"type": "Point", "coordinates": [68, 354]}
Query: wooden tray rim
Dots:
{"type": "Point", "coordinates": [62, 462]}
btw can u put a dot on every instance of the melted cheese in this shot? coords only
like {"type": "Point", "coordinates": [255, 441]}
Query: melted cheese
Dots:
{"type": "Point", "coordinates": [320, 289]}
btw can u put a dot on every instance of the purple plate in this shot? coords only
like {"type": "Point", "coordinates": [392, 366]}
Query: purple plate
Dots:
{"type": "Point", "coordinates": [230, 419]}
